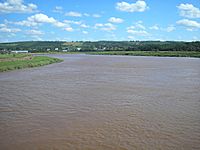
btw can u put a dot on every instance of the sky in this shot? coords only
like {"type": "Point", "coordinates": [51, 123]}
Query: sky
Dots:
{"type": "Point", "coordinates": [93, 20]}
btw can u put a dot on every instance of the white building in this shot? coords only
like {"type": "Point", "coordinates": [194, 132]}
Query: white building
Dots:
{"type": "Point", "coordinates": [19, 52]}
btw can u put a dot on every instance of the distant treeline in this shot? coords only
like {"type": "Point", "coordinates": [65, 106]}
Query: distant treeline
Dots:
{"type": "Point", "coordinates": [44, 46]}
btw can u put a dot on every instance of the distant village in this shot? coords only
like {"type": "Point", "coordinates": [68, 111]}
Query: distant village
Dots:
{"type": "Point", "coordinates": [51, 50]}
{"type": "Point", "coordinates": [60, 46]}
{"type": "Point", "coordinates": [47, 50]}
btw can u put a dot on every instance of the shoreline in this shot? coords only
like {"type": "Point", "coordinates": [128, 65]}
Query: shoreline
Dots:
{"type": "Point", "coordinates": [19, 61]}
{"type": "Point", "coordinates": [186, 54]}
{"type": "Point", "coordinates": [190, 54]}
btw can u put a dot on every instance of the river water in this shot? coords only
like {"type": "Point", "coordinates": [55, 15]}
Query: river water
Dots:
{"type": "Point", "coordinates": [102, 102]}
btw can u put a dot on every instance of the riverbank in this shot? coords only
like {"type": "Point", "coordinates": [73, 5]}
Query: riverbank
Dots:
{"type": "Point", "coordinates": [150, 53]}
{"type": "Point", "coordinates": [195, 54]}
{"type": "Point", "coordinates": [19, 61]}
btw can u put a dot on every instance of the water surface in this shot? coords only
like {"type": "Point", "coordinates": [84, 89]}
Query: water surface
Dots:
{"type": "Point", "coordinates": [102, 102]}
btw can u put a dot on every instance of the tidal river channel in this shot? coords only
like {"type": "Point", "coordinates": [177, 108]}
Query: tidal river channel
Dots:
{"type": "Point", "coordinates": [102, 103]}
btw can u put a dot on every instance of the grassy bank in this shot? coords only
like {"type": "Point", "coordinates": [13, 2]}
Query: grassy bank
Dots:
{"type": "Point", "coordinates": [150, 53]}
{"type": "Point", "coordinates": [73, 52]}
{"type": "Point", "coordinates": [19, 61]}
{"type": "Point", "coordinates": [11, 56]}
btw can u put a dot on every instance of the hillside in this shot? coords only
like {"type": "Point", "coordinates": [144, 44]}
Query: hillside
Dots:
{"type": "Point", "coordinates": [44, 46]}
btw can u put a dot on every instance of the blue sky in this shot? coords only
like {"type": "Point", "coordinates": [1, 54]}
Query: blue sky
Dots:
{"type": "Point", "coordinates": [81, 20]}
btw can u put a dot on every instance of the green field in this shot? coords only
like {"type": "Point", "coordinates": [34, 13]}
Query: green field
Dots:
{"type": "Point", "coordinates": [150, 53]}
{"type": "Point", "coordinates": [8, 56]}
{"type": "Point", "coordinates": [19, 61]}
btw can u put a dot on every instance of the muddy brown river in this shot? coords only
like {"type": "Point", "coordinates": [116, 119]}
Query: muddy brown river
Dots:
{"type": "Point", "coordinates": [102, 103]}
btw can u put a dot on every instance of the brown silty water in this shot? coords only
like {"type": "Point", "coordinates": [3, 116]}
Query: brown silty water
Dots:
{"type": "Point", "coordinates": [102, 102]}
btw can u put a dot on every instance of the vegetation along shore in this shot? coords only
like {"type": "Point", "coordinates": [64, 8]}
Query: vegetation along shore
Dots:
{"type": "Point", "coordinates": [19, 61]}
{"type": "Point", "coordinates": [150, 53]}
{"type": "Point", "coordinates": [133, 48]}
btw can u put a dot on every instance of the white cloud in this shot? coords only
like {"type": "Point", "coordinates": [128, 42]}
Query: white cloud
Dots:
{"type": "Point", "coordinates": [34, 32]}
{"type": "Point", "coordinates": [58, 9]}
{"type": "Point", "coordinates": [189, 11]}
{"type": "Point", "coordinates": [69, 29]}
{"type": "Point", "coordinates": [17, 6]}
{"type": "Point", "coordinates": [59, 24]}
{"type": "Point", "coordinates": [26, 23]}
{"type": "Point", "coordinates": [190, 29]}
{"type": "Point", "coordinates": [85, 32]}
{"type": "Point", "coordinates": [73, 14]}
{"type": "Point", "coordinates": [86, 14]}
{"type": "Point", "coordinates": [139, 6]}
{"type": "Point", "coordinates": [78, 14]}
{"type": "Point", "coordinates": [138, 29]}
{"type": "Point", "coordinates": [36, 20]}
{"type": "Point", "coordinates": [170, 28]}
{"type": "Point", "coordinates": [138, 32]}
{"type": "Point", "coordinates": [131, 37]}
{"type": "Point", "coordinates": [97, 25]}
{"type": "Point", "coordinates": [2, 25]}
{"type": "Point", "coordinates": [137, 25]}
{"type": "Point", "coordinates": [154, 27]}
{"type": "Point", "coordinates": [115, 20]}
{"type": "Point", "coordinates": [189, 24]}
{"type": "Point", "coordinates": [39, 19]}
{"type": "Point", "coordinates": [84, 26]}
{"type": "Point", "coordinates": [72, 22]}
{"type": "Point", "coordinates": [96, 15]}
{"type": "Point", "coordinates": [80, 23]}
{"type": "Point", "coordinates": [6, 29]}
{"type": "Point", "coordinates": [105, 27]}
